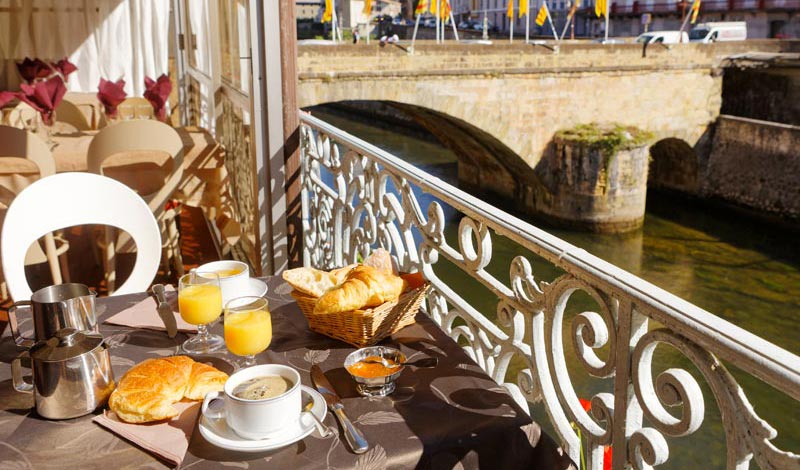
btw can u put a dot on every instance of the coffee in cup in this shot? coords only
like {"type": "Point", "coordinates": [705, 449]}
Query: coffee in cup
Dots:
{"type": "Point", "coordinates": [258, 400]}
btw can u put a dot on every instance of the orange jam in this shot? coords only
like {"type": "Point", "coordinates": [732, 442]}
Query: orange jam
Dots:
{"type": "Point", "coordinates": [371, 370]}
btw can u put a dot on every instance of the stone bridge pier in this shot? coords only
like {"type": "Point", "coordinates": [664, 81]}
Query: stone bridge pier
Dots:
{"type": "Point", "coordinates": [499, 106]}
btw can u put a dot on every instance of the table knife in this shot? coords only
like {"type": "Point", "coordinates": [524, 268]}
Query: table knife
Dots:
{"type": "Point", "coordinates": [165, 311]}
{"type": "Point", "coordinates": [353, 436]}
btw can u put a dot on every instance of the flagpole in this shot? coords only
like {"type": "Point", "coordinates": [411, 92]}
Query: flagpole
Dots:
{"type": "Point", "coordinates": [685, 21]}
{"type": "Point", "coordinates": [606, 38]}
{"type": "Point", "coordinates": [369, 17]}
{"type": "Point", "coordinates": [438, 21]}
{"type": "Point", "coordinates": [452, 20]}
{"type": "Point", "coordinates": [566, 25]}
{"type": "Point", "coordinates": [511, 21]}
{"type": "Point", "coordinates": [550, 18]}
{"type": "Point", "coordinates": [414, 37]}
{"type": "Point", "coordinates": [527, 20]}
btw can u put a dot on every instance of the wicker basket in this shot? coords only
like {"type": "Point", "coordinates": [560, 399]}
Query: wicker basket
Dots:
{"type": "Point", "coordinates": [363, 327]}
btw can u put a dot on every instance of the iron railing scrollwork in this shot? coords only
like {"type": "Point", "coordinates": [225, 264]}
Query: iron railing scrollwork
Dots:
{"type": "Point", "coordinates": [356, 196]}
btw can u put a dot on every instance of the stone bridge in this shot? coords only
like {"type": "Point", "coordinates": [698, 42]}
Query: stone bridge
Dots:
{"type": "Point", "coordinates": [499, 106]}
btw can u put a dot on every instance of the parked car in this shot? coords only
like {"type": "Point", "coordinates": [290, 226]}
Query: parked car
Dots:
{"type": "Point", "coordinates": [663, 37]}
{"type": "Point", "coordinates": [719, 31]}
{"type": "Point", "coordinates": [610, 41]}
{"type": "Point", "coordinates": [465, 25]}
{"type": "Point", "coordinates": [478, 26]}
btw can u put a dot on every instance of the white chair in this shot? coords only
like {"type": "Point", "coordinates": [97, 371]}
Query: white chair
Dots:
{"type": "Point", "coordinates": [69, 199]}
{"type": "Point", "coordinates": [136, 136]}
{"type": "Point", "coordinates": [69, 113]}
{"type": "Point", "coordinates": [17, 143]}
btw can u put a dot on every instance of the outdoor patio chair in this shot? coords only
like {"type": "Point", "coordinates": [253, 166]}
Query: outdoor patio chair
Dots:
{"type": "Point", "coordinates": [14, 144]}
{"type": "Point", "coordinates": [21, 116]}
{"type": "Point", "coordinates": [69, 199]}
{"type": "Point", "coordinates": [69, 113]}
{"type": "Point", "coordinates": [146, 136]}
{"type": "Point", "coordinates": [135, 107]}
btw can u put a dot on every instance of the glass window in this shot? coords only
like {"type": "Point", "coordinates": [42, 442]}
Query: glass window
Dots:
{"type": "Point", "coordinates": [197, 40]}
{"type": "Point", "coordinates": [234, 43]}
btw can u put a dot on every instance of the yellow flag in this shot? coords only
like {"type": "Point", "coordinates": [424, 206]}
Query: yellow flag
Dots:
{"type": "Point", "coordinates": [435, 7]}
{"type": "Point", "coordinates": [444, 10]}
{"type": "Point", "coordinates": [541, 17]}
{"type": "Point", "coordinates": [695, 10]}
{"type": "Point", "coordinates": [510, 11]}
{"type": "Point", "coordinates": [367, 7]}
{"type": "Point", "coordinates": [327, 16]}
{"type": "Point", "coordinates": [523, 7]}
{"type": "Point", "coordinates": [600, 8]}
{"type": "Point", "coordinates": [422, 7]}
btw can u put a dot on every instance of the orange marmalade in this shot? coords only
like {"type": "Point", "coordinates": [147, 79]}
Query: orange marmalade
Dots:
{"type": "Point", "coordinates": [370, 370]}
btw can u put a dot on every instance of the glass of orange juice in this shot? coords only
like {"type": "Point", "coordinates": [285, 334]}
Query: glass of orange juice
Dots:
{"type": "Point", "coordinates": [248, 327]}
{"type": "Point", "coordinates": [200, 303]}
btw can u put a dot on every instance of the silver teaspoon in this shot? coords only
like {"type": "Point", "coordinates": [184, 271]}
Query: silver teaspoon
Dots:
{"type": "Point", "coordinates": [322, 429]}
{"type": "Point", "coordinates": [424, 362]}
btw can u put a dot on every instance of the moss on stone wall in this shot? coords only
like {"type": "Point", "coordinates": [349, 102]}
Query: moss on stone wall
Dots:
{"type": "Point", "coordinates": [608, 138]}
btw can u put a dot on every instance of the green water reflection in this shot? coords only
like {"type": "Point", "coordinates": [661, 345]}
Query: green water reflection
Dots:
{"type": "Point", "coordinates": [744, 271]}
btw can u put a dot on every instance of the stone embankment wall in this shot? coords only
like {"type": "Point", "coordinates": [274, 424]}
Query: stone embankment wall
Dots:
{"type": "Point", "coordinates": [755, 164]}
{"type": "Point", "coordinates": [767, 93]}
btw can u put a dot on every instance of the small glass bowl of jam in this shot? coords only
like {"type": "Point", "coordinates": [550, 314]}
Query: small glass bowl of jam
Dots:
{"type": "Point", "coordinates": [374, 378]}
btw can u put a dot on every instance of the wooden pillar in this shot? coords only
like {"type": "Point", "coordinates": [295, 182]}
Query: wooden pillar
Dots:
{"type": "Point", "coordinates": [291, 132]}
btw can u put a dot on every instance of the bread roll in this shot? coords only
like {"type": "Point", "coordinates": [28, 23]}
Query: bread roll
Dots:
{"type": "Point", "coordinates": [365, 287]}
{"type": "Point", "coordinates": [310, 281]}
{"type": "Point", "coordinates": [381, 260]}
{"type": "Point", "coordinates": [147, 391]}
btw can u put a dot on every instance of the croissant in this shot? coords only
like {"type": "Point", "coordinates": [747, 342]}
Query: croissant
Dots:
{"type": "Point", "coordinates": [365, 286]}
{"type": "Point", "coordinates": [147, 391]}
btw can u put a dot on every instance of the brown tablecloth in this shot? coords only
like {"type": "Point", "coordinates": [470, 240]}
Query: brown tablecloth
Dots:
{"type": "Point", "coordinates": [452, 416]}
{"type": "Point", "coordinates": [204, 167]}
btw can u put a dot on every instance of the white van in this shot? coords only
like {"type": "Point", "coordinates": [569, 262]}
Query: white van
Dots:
{"type": "Point", "coordinates": [719, 31]}
{"type": "Point", "coordinates": [663, 37]}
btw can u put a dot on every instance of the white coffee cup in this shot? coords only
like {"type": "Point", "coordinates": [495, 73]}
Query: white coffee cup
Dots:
{"type": "Point", "coordinates": [257, 419]}
{"type": "Point", "coordinates": [232, 286]}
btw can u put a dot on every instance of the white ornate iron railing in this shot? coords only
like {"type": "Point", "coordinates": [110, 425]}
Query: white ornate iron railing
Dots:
{"type": "Point", "coordinates": [350, 210]}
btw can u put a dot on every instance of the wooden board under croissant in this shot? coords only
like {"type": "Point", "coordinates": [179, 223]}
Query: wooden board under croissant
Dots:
{"type": "Point", "coordinates": [366, 327]}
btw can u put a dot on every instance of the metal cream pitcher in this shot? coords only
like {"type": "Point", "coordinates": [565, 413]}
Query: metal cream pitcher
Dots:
{"type": "Point", "coordinates": [53, 308]}
{"type": "Point", "coordinates": [72, 374]}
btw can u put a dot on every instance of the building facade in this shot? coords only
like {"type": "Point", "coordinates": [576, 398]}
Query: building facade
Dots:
{"type": "Point", "coordinates": [764, 18]}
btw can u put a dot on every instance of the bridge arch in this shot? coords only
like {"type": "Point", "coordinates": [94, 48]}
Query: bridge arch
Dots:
{"type": "Point", "coordinates": [674, 165]}
{"type": "Point", "coordinates": [484, 162]}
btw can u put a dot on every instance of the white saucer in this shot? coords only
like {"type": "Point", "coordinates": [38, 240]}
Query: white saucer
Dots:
{"type": "Point", "coordinates": [217, 432]}
{"type": "Point", "coordinates": [255, 288]}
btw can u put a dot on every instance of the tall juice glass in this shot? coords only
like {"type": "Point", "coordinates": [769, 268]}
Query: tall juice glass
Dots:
{"type": "Point", "coordinates": [248, 327]}
{"type": "Point", "coordinates": [200, 303]}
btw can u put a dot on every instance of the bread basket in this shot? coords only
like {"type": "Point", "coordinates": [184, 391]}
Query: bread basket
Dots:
{"type": "Point", "coordinates": [364, 327]}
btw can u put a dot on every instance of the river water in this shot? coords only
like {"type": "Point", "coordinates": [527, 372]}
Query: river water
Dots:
{"type": "Point", "coordinates": [745, 271]}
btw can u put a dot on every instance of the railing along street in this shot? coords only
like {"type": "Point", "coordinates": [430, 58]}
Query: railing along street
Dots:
{"type": "Point", "coordinates": [357, 196]}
